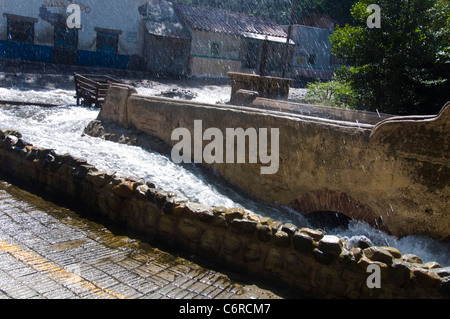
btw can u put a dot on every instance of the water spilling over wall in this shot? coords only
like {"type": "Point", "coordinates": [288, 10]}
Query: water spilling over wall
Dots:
{"type": "Point", "coordinates": [393, 175]}
{"type": "Point", "coordinates": [316, 264]}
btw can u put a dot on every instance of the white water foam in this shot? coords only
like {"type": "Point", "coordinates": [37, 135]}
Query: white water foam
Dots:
{"type": "Point", "coordinates": [61, 128]}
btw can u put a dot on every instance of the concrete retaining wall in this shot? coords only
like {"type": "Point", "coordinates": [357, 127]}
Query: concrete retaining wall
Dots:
{"type": "Point", "coordinates": [317, 265]}
{"type": "Point", "coordinates": [393, 174]}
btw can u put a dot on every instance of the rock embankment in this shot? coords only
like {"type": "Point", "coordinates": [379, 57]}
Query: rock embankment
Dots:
{"type": "Point", "coordinates": [307, 260]}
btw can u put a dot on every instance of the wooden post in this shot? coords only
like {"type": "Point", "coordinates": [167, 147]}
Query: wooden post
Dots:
{"type": "Point", "coordinates": [263, 62]}
{"type": "Point", "coordinates": [286, 51]}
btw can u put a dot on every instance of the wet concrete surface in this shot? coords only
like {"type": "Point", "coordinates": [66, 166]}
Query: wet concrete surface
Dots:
{"type": "Point", "coordinates": [48, 251]}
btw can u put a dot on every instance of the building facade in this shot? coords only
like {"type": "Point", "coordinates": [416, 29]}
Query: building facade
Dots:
{"type": "Point", "coordinates": [224, 41]}
{"type": "Point", "coordinates": [158, 36]}
{"type": "Point", "coordinates": [167, 42]}
{"type": "Point", "coordinates": [312, 58]}
{"type": "Point", "coordinates": [37, 30]}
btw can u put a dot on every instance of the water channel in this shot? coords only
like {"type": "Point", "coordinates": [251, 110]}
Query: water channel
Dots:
{"type": "Point", "coordinates": [61, 128]}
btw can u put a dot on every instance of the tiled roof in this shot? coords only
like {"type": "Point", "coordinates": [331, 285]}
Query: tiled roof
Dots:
{"type": "Point", "coordinates": [222, 21]}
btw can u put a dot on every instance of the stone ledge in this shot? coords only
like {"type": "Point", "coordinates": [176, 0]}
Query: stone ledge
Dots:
{"type": "Point", "coordinates": [393, 173]}
{"type": "Point", "coordinates": [304, 259]}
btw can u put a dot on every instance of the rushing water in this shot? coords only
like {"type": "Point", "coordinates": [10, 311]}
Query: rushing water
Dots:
{"type": "Point", "coordinates": [61, 128]}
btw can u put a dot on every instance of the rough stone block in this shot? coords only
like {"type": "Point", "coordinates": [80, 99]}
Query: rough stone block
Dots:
{"type": "Point", "coordinates": [265, 220]}
{"type": "Point", "coordinates": [161, 197]}
{"type": "Point", "coordinates": [445, 287]}
{"type": "Point", "coordinates": [219, 210]}
{"type": "Point", "coordinates": [411, 258]}
{"type": "Point", "coordinates": [393, 251]}
{"type": "Point", "coordinates": [172, 202]}
{"type": "Point", "coordinates": [426, 278]}
{"type": "Point", "coordinates": [199, 211]}
{"type": "Point", "coordinates": [322, 256]}
{"type": "Point", "coordinates": [264, 233]}
{"type": "Point", "coordinates": [443, 272]}
{"type": "Point", "coordinates": [346, 257]}
{"type": "Point", "coordinates": [124, 189]}
{"type": "Point", "coordinates": [219, 220]}
{"type": "Point", "coordinates": [432, 265]}
{"type": "Point", "coordinates": [330, 244]}
{"type": "Point", "coordinates": [378, 254]}
{"type": "Point", "coordinates": [289, 228]}
{"type": "Point", "coordinates": [140, 192]}
{"type": "Point", "coordinates": [233, 213]}
{"type": "Point", "coordinates": [244, 97]}
{"type": "Point", "coordinates": [244, 226]}
{"type": "Point", "coordinates": [313, 233]}
{"type": "Point", "coordinates": [281, 239]}
{"type": "Point", "coordinates": [303, 242]}
{"type": "Point", "coordinates": [97, 178]}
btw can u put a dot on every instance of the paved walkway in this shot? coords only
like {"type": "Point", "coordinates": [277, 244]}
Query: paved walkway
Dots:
{"type": "Point", "coordinates": [50, 252]}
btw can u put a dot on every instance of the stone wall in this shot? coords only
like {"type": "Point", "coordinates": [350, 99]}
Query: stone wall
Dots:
{"type": "Point", "coordinates": [315, 264]}
{"type": "Point", "coordinates": [265, 86]}
{"type": "Point", "coordinates": [393, 174]}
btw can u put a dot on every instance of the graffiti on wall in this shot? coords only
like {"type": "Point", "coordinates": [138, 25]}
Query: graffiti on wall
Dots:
{"type": "Point", "coordinates": [65, 3]}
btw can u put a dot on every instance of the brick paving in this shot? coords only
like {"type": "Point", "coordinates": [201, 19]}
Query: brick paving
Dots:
{"type": "Point", "coordinates": [50, 252]}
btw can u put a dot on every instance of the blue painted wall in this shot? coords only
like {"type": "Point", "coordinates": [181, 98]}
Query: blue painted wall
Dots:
{"type": "Point", "coordinates": [102, 59]}
{"type": "Point", "coordinates": [25, 51]}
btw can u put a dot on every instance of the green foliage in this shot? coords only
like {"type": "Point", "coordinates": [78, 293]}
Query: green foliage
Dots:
{"type": "Point", "coordinates": [336, 9]}
{"type": "Point", "coordinates": [332, 93]}
{"type": "Point", "coordinates": [441, 12]}
{"type": "Point", "coordinates": [276, 10]}
{"type": "Point", "coordinates": [401, 68]}
{"type": "Point", "coordinates": [280, 10]}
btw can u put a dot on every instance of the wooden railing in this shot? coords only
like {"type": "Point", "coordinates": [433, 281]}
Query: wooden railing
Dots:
{"type": "Point", "coordinates": [91, 89]}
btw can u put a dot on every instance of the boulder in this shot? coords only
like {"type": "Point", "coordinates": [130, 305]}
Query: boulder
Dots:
{"type": "Point", "coordinates": [313, 233]}
{"type": "Point", "coordinates": [124, 189]}
{"type": "Point", "coordinates": [331, 244]}
{"type": "Point", "coordinates": [411, 258]}
{"type": "Point", "coordinates": [375, 253]}
{"type": "Point", "coordinates": [244, 226]}
{"type": "Point", "coordinates": [233, 213]}
{"type": "Point", "coordinates": [303, 242]}
{"type": "Point", "coordinates": [264, 233]}
{"type": "Point", "coordinates": [281, 239]}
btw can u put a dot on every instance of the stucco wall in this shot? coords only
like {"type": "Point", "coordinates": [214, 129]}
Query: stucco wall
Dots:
{"type": "Point", "coordinates": [311, 41]}
{"type": "Point", "coordinates": [205, 63]}
{"type": "Point", "coordinates": [394, 175]}
{"type": "Point", "coordinates": [117, 15]}
{"type": "Point", "coordinates": [312, 57]}
{"type": "Point", "coordinates": [167, 56]}
{"type": "Point", "coordinates": [231, 55]}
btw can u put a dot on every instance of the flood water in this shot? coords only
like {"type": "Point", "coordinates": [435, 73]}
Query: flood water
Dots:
{"type": "Point", "coordinates": [61, 128]}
